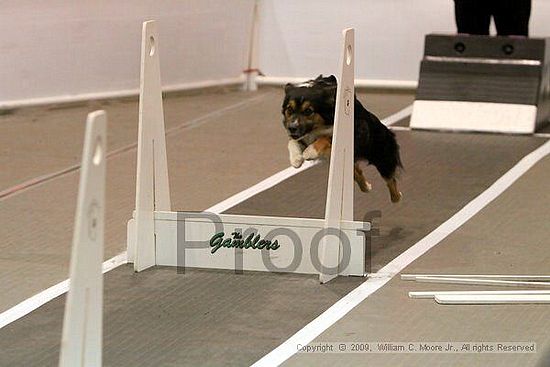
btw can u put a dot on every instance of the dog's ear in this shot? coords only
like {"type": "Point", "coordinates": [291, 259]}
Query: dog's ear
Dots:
{"type": "Point", "coordinates": [288, 87]}
{"type": "Point", "coordinates": [329, 94]}
{"type": "Point", "coordinates": [329, 89]}
{"type": "Point", "coordinates": [331, 79]}
{"type": "Point", "coordinates": [319, 78]}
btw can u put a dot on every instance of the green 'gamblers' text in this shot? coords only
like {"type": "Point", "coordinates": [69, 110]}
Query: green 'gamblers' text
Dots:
{"type": "Point", "coordinates": [252, 241]}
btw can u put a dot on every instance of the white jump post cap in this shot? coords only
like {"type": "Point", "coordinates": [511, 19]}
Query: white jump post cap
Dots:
{"type": "Point", "coordinates": [339, 204]}
{"type": "Point", "coordinates": [81, 341]}
{"type": "Point", "coordinates": [152, 188]}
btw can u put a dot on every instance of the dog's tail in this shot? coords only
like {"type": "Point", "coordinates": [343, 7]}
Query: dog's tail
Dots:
{"type": "Point", "coordinates": [397, 153]}
{"type": "Point", "coordinates": [394, 152]}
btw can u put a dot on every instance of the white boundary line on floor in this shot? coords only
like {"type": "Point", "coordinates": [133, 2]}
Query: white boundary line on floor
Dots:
{"type": "Point", "coordinates": [401, 128]}
{"type": "Point", "coordinates": [398, 116]}
{"type": "Point", "coordinates": [376, 281]}
{"type": "Point", "coordinates": [289, 172]}
{"type": "Point", "coordinates": [30, 304]}
{"type": "Point", "coordinates": [259, 187]}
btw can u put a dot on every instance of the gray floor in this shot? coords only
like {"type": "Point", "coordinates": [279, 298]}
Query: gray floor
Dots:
{"type": "Point", "coordinates": [213, 318]}
{"type": "Point", "coordinates": [545, 129]}
{"type": "Point", "coordinates": [213, 153]}
{"type": "Point", "coordinates": [509, 236]}
{"type": "Point", "coordinates": [37, 224]}
{"type": "Point", "coordinates": [201, 318]}
{"type": "Point", "coordinates": [443, 172]}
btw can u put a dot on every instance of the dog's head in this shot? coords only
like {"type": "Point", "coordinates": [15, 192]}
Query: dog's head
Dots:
{"type": "Point", "coordinates": [309, 107]}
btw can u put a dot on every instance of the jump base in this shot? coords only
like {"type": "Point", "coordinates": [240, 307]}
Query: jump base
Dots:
{"type": "Point", "coordinates": [196, 240]}
{"type": "Point", "coordinates": [328, 247]}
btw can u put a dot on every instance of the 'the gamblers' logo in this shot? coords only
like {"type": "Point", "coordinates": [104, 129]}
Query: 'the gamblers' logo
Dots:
{"type": "Point", "coordinates": [236, 241]}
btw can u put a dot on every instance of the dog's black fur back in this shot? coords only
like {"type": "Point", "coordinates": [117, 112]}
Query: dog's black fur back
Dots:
{"type": "Point", "coordinates": [373, 141]}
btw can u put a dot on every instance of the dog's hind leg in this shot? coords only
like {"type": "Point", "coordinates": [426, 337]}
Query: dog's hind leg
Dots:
{"type": "Point", "coordinates": [358, 176]}
{"type": "Point", "coordinates": [395, 194]}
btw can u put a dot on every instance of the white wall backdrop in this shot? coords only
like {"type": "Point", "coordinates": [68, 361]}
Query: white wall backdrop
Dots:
{"type": "Point", "coordinates": [299, 38]}
{"type": "Point", "coordinates": [66, 48]}
{"type": "Point", "coordinates": [62, 49]}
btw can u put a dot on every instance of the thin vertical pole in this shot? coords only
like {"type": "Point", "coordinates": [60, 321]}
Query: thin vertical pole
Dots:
{"type": "Point", "coordinates": [339, 205]}
{"type": "Point", "coordinates": [152, 187]}
{"type": "Point", "coordinates": [81, 342]}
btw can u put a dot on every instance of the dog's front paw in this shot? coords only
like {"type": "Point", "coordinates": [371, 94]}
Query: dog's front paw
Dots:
{"type": "Point", "coordinates": [310, 153]}
{"type": "Point", "coordinates": [295, 153]}
{"type": "Point", "coordinates": [296, 160]}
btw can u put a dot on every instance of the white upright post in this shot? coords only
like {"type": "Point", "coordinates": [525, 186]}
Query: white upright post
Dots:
{"type": "Point", "coordinates": [152, 189]}
{"type": "Point", "coordinates": [81, 341]}
{"type": "Point", "coordinates": [339, 205]}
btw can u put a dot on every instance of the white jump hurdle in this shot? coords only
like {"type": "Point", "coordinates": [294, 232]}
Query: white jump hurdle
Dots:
{"type": "Point", "coordinates": [159, 236]}
{"type": "Point", "coordinates": [81, 342]}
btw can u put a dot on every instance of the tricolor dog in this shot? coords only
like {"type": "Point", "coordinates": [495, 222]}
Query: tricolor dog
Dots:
{"type": "Point", "coordinates": [308, 116]}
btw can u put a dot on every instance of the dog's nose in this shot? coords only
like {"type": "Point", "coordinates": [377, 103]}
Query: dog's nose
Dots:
{"type": "Point", "coordinates": [293, 126]}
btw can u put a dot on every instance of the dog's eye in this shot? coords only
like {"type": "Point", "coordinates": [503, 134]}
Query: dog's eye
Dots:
{"type": "Point", "coordinates": [308, 112]}
{"type": "Point", "coordinates": [289, 110]}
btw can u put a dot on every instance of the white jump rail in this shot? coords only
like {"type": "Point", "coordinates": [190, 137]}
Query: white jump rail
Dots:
{"type": "Point", "coordinates": [479, 276]}
{"type": "Point", "coordinates": [432, 294]}
{"type": "Point", "coordinates": [491, 299]}
{"type": "Point", "coordinates": [483, 297]}
{"type": "Point", "coordinates": [81, 342]}
{"type": "Point", "coordinates": [474, 281]}
{"type": "Point", "coordinates": [159, 236]}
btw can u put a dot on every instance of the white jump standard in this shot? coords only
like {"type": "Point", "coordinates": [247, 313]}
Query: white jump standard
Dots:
{"type": "Point", "coordinates": [158, 236]}
{"type": "Point", "coordinates": [81, 342]}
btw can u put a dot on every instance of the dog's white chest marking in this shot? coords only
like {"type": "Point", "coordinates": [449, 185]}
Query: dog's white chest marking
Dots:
{"type": "Point", "coordinates": [295, 153]}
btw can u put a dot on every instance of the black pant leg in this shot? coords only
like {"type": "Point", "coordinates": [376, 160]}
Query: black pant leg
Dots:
{"type": "Point", "coordinates": [512, 17]}
{"type": "Point", "coordinates": [472, 16]}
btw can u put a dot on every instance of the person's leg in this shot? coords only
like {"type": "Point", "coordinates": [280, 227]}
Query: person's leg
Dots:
{"type": "Point", "coordinates": [512, 17]}
{"type": "Point", "coordinates": [472, 16]}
